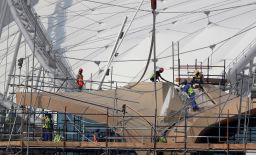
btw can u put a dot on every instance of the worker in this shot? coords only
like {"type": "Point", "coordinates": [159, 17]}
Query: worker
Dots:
{"type": "Point", "coordinates": [47, 127]}
{"type": "Point", "coordinates": [197, 78]}
{"type": "Point", "coordinates": [158, 76]}
{"type": "Point", "coordinates": [80, 79]}
{"type": "Point", "coordinates": [57, 137]}
{"type": "Point", "coordinates": [190, 92]}
{"type": "Point", "coordinates": [182, 85]}
{"type": "Point", "coordinates": [95, 136]}
{"type": "Point", "coordinates": [162, 138]}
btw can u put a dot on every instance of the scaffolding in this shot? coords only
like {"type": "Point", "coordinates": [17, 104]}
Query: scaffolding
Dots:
{"type": "Point", "coordinates": [116, 127]}
{"type": "Point", "coordinates": [186, 133]}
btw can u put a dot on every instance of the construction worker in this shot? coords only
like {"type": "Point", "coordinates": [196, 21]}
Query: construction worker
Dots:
{"type": "Point", "coordinates": [80, 79]}
{"type": "Point", "coordinates": [47, 127]}
{"type": "Point", "coordinates": [182, 85]}
{"type": "Point", "coordinates": [162, 138]}
{"type": "Point", "coordinates": [57, 137]}
{"type": "Point", "coordinates": [158, 76]}
{"type": "Point", "coordinates": [95, 135]}
{"type": "Point", "coordinates": [197, 78]}
{"type": "Point", "coordinates": [190, 92]}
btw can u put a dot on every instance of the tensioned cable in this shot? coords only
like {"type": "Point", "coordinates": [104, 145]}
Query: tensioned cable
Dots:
{"type": "Point", "coordinates": [193, 50]}
{"type": "Point", "coordinates": [8, 49]}
{"type": "Point", "coordinates": [215, 10]}
{"type": "Point", "coordinates": [7, 42]}
{"type": "Point", "coordinates": [128, 28]}
{"type": "Point", "coordinates": [121, 6]}
{"type": "Point", "coordinates": [103, 61]}
{"type": "Point", "coordinates": [130, 23]}
{"type": "Point", "coordinates": [139, 17]}
{"type": "Point", "coordinates": [215, 44]}
{"type": "Point", "coordinates": [183, 15]}
{"type": "Point", "coordinates": [188, 51]}
{"type": "Point", "coordinates": [93, 14]}
{"type": "Point", "coordinates": [203, 11]}
{"type": "Point", "coordinates": [103, 19]}
{"type": "Point", "coordinates": [224, 42]}
{"type": "Point", "coordinates": [197, 32]}
{"type": "Point", "coordinates": [74, 32]}
{"type": "Point", "coordinates": [222, 13]}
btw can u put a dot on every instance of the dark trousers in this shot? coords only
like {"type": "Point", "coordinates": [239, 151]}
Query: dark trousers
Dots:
{"type": "Point", "coordinates": [47, 134]}
{"type": "Point", "coordinates": [193, 102]}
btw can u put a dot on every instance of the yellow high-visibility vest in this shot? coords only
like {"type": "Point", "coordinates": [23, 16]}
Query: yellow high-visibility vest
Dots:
{"type": "Point", "coordinates": [57, 138]}
{"type": "Point", "coordinates": [162, 139]}
{"type": "Point", "coordinates": [46, 122]}
{"type": "Point", "coordinates": [190, 90]}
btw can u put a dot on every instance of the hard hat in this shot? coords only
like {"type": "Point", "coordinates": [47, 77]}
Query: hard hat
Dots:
{"type": "Point", "coordinates": [80, 70]}
{"type": "Point", "coordinates": [161, 70]}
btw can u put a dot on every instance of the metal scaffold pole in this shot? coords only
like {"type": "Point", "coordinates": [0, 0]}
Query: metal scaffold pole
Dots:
{"type": "Point", "coordinates": [154, 6]}
{"type": "Point", "coordinates": [13, 64]}
{"type": "Point", "coordinates": [120, 35]}
{"type": "Point", "coordinates": [185, 128]}
{"type": "Point", "coordinates": [173, 63]}
{"type": "Point", "coordinates": [240, 107]}
{"type": "Point", "coordinates": [178, 49]}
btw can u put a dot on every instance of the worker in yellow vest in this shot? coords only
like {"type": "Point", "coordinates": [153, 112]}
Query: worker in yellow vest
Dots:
{"type": "Point", "coordinates": [156, 77]}
{"type": "Point", "coordinates": [57, 137]}
{"type": "Point", "coordinates": [189, 90]}
{"type": "Point", "coordinates": [47, 127]}
{"type": "Point", "coordinates": [162, 139]}
{"type": "Point", "coordinates": [197, 78]}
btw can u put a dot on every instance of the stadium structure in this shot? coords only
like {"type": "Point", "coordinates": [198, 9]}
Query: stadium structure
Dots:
{"type": "Point", "coordinates": [119, 45]}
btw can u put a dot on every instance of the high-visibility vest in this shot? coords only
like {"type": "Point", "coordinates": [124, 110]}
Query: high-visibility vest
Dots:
{"type": "Point", "coordinates": [95, 138]}
{"type": "Point", "coordinates": [80, 81]}
{"type": "Point", "coordinates": [46, 122]}
{"type": "Point", "coordinates": [162, 139]}
{"type": "Point", "coordinates": [57, 138]}
{"type": "Point", "coordinates": [190, 91]}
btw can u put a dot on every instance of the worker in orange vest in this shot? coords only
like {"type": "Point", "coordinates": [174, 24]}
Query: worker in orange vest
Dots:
{"type": "Point", "coordinates": [95, 136]}
{"type": "Point", "coordinates": [80, 79]}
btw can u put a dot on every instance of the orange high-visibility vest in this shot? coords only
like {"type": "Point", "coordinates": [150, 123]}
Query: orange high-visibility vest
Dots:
{"type": "Point", "coordinates": [95, 138]}
{"type": "Point", "coordinates": [80, 81]}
